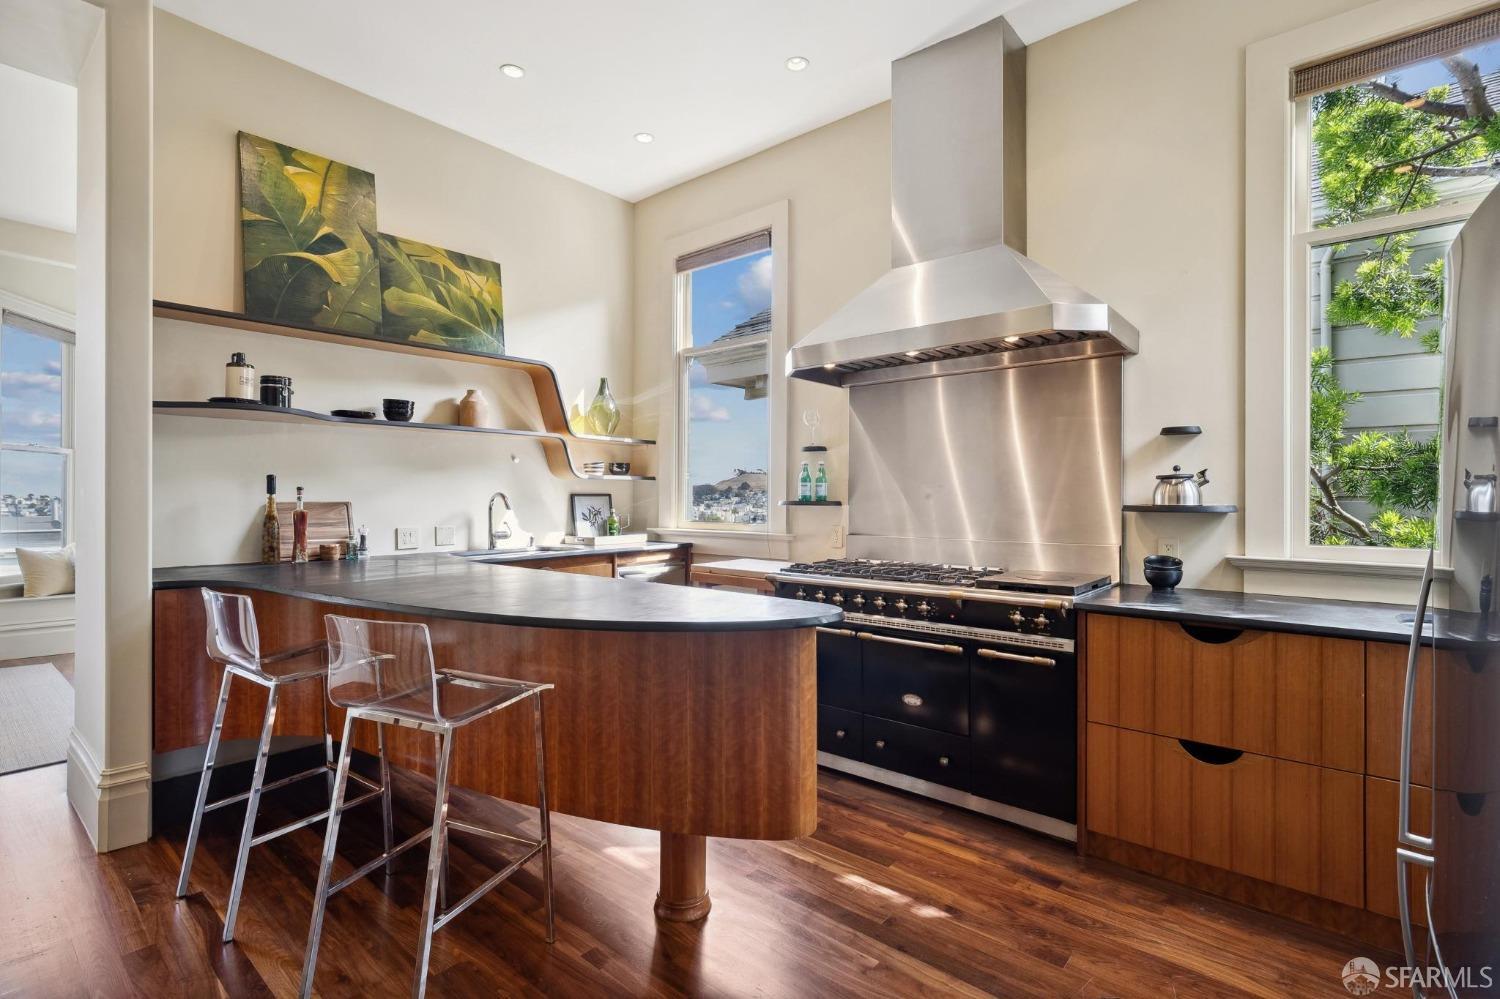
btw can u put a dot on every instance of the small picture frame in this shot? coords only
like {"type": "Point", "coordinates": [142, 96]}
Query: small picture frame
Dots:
{"type": "Point", "coordinates": [588, 512]}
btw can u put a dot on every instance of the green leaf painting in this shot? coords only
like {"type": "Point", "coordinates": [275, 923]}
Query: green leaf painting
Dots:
{"type": "Point", "coordinates": [439, 297]}
{"type": "Point", "coordinates": [307, 225]}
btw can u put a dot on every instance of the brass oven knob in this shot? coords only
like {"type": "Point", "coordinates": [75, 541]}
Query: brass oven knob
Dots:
{"type": "Point", "coordinates": [819, 596]}
{"type": "Point", "coordinates": [838, 598]}
{"type": "Point", "coordinates": [879, 743]}
{"type": "Point", "coordinates": [1041, 621]}
{"type": "Point", "coordinates": [839, 734]}
{"type": "Point", "coordinates": [858, 601]}
{"type": "Point", "coordinates": [923, 608]}
{"type": "Point", "coordinates": [879, 603]}
{"type": "Point", "coordinates": [942, 761]}
{"type": "Point", "coordinates": [900, 605]}
{"type": "Point", "coordinates": [1016, 617]}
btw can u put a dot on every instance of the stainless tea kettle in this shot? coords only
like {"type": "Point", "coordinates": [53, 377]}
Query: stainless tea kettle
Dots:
{"type": "Point", "coordinates": [1179, 488]}
{"type": "Point", "coordinates": [1481, 491]}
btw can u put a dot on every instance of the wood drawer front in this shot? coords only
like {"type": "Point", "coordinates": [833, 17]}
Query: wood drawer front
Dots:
{"type": "Point", "coordinates": [840, 732]}
{"type": "Point", "coordinates": [590, 565]}
{"type": "Point", "coordinates": [1280, 821]}
{"type": "Point", "coordinates": [1295, 697]}
{"type": "Point", "coordinates": [917, 752]}
{"type": "Point", "coordinates": [675, 555]}
{"type": "Point", "coordinates": [1385, 687]}
{"type": "Point", "coordinates": [1382, 804]}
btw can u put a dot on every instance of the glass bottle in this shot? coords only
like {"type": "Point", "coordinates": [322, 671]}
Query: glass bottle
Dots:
{"type": "Point", "coordinates": [604, 414]}
{"type": "Point", "coordinates": [612, 525]}
{"type": "Point", "coordinates": [820, 484]}
{"type": "Point", "coordinates": [270, 528]}
{"type": "Point", "coordinates": [805, 484]}
{"type": "Point", "coordinates": [299, 530]}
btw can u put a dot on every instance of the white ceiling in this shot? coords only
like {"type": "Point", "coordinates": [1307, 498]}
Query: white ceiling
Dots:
{"type": "Point", "coordinates": [707, 78]}
{"type": "Point", "coordinates": [39, 171]}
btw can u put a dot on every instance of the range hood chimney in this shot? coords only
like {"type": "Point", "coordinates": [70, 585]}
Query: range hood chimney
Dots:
{"type": "Point", "coordinates": [960, 294]}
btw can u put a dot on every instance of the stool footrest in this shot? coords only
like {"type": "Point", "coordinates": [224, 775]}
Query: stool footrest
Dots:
{"type": "Point", "coordinates": [364, 869]}
{"type": "Point", "coordinates": [322, 769]}
{"type": "Point", "coordinates": [490, 833]}
{"type": "Point", "coordinates": [493, 881]}
{"type": "Point", "coordinates": [312, 819]}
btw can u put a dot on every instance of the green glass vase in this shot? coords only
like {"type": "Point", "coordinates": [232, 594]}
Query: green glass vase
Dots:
{"type": "Point", "coordinates": [604, 412]}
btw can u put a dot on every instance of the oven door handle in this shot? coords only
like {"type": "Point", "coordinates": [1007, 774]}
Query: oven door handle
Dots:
{"type": "Point", "coordinates": [952, 650]}
{"type": "Point", "coordinates": [1013, 658]}
{"type": "Point", "coordinates": [842, 632]}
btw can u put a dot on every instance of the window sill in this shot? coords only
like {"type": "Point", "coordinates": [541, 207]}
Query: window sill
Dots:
{"type": "Point", "coordinates": [1383, 570]}
{"type": "Point", "coordinates": [696, 534]}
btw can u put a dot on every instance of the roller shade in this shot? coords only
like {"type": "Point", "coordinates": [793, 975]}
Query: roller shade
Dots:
{"type": "Point", "coordinates": [1375, 60]}
{"type": "Point", "coordinates": [729, 249]}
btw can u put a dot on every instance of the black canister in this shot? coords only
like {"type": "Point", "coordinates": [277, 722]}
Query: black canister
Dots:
{"type": "Point", "coordinates": [276, 390]}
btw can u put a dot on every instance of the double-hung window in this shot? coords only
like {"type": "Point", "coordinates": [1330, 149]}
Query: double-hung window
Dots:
{"type": "Point", "coordinates": [1394, 145]}
{"type": "Point", "coordinates": [36, 434]}
{"type": "Point", "coordinates": [723, 340]}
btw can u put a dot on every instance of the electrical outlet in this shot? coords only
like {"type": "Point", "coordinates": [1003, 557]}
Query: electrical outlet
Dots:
{"type": "Point", "coordinates": [406, 537]}
{"type": "Point", "coordinates": [443, 534]}
{"type": "Point", "coordinates": [1169, 546]}
{"type": "Point", "coordinates": [837, 537]}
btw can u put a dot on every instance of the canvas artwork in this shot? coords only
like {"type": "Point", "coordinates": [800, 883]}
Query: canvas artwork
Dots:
{"type": "Point", "coordinates": [439, 297]}
{"type": "Point", "coordinates": [307, 228]}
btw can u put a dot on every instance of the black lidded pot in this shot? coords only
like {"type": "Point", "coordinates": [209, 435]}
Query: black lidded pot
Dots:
{"type": "Point", "coordinates": [276, 390]}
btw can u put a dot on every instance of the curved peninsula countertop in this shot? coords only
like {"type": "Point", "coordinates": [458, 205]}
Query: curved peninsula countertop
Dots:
{"type": "Point", "coordinates": [446, 586]}
{"type": "Point", "coordinates": [690, 711]}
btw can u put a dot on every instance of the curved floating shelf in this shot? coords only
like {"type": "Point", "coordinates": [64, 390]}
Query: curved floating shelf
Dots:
{"type": "Point", "coordinates": [1475, 515]}
{"type": "Point", "coordinates": [543, 377]}
{"type": "Point", "coordinates": [1153, 508]}
{"type": "Point", "coordinates": [811, 503]}
{"type": "Point", "coordinates": [559, 459]}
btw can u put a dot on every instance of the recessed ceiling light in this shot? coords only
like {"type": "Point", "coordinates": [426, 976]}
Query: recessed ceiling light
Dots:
{"type": "Point", "coordinates": [513, 71]}
{"type": "Point", "coordinates": [644, 137]}
{"type": "Point", "coordinates": [797, 63]}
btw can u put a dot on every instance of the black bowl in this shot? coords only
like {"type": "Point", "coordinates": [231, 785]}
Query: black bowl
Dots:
{"type": "Point", "coordinates": [1163, 572]}
{"type": "Point", "coordinates": [399, 410]}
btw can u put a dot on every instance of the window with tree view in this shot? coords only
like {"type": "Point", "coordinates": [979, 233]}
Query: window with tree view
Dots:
{"type": "Point", "coordinates": [723, 349]}
{"type": "Point", "coordinates": [1397, 161]}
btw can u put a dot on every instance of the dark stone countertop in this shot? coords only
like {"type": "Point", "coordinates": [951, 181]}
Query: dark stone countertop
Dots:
{"type": "Point", "coordinates": [1304, 615]}
{"type": "Point", "coordinates": [443, 585]}
{"type": "Point", "coordinates": [503, 558]}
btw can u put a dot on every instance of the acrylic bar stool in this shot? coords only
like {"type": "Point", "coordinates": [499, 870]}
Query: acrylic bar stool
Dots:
{"type": "Point", "coordinates": [234, 641]}
{"type": "Point", "coordinates": [384, 672]}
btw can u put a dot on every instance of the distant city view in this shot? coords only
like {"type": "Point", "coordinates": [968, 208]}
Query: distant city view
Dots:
{"type": "Point", "coordinates": [740, 499]}
{"type": "Point", "coordinates": [30, 521]}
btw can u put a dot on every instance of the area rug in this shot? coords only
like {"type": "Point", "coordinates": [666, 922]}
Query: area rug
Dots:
{"type": "Point", "coordinates": [36, 712]}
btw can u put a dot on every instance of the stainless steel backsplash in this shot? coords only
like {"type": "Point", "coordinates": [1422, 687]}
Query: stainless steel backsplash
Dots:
{"type": "Point", "coordinates": [1012, 468]}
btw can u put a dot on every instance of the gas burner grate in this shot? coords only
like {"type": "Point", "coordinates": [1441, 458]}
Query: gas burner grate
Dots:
{"type": "Point", "coordinates": [897, 572]}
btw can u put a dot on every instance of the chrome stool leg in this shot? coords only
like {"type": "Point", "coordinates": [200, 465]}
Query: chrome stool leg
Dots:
{"type": "Point", "coordinates": [385, 794]}
{"type": "Point", "coordinates": [545, 816]}
{"type": "Point", "coordinates": [208, 769]}
{"type": "Point", "coordinates": [247, 832]}
{"type": "Point", "coordinates": [435, 856]}
{"type": "Point", "coordinates": [327, 739]}
{"type": "Point", "coordinates": [325, 868]}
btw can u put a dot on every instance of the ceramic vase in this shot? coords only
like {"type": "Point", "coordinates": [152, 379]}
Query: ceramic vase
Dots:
{"type": "Point", "coordinates": [473, 410]}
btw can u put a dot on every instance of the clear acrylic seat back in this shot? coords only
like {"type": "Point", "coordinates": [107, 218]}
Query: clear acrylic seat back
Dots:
{"type": "Point", "coordinates": [384, 662]}
{"type": "Point", "coordinates": [232, 635]}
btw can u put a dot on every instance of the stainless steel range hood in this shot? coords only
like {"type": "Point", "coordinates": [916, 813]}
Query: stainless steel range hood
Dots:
{"type": "Point", "coordinates": [960, 295]}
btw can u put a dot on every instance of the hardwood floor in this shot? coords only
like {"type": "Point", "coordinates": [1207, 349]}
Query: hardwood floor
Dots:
{"type": "Point", "coordinates": [892, 895]}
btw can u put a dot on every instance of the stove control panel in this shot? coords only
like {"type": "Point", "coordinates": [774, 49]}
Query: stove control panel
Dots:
{"type": "Point", "coordinates": [988, 612]}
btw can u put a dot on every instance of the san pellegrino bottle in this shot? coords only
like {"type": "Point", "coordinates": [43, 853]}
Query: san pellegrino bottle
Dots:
{"type": "Point", "coordinates": [805, 484]}
{"type": "Point", "coordinates": [820, 484]}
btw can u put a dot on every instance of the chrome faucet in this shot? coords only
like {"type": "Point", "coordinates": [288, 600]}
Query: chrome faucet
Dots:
{"type": "Point", "coordinates": [505, 533]}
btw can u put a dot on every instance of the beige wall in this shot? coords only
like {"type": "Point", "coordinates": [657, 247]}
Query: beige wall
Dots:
{"type": "Point", "coordinates": [1136, 192]}
{"type": "Point", "coordinates": [837, 183]}
{"type": "Point", "coordinates": [37, 263]}
{"type": "Point", "coordinates": [564, 249]}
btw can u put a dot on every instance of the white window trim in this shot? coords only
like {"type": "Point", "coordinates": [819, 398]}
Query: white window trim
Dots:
{"type": "Point", "coordinates": [673, 413]}
{"type": "Point", "coordinates": [1275, 390]}
{"type": "Point", "coordinates": [68, 323]}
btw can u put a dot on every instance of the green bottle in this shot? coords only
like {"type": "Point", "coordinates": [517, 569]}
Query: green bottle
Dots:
{"type": "Point", "coordinates": [612, 525]}
{"type": "Point", "coordinates": [804, 484]}
{"type": "Point", "coordinates": [820, 484]}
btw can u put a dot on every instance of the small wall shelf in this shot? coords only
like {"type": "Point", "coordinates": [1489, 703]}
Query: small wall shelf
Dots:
{"type": "Point", "coordinates": [1182, 430]}
{"type": "Point", "coordinates": [555, 445]}
{"type": "Point", "coordinates": [1153, 508]}
{"type": "Point", "coordinates": [1473, 515]}
{"type": "Point", "coordinates": [811, 503]}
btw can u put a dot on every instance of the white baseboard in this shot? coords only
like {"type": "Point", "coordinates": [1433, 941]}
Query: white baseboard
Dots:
{"type": "Point", "coordinates": [114, 804]}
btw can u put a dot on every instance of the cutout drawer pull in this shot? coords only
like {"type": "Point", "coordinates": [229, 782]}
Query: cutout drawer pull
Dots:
{"type": "Point", "coordinates": [1214, 756]}
{"type": "Point", "coordinates": [911, 700]}
{"type": "Point", "coordinates": [1210, 634]}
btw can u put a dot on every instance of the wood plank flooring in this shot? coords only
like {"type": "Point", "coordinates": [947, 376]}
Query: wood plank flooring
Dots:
{"type": "Point", "coordinates": [892, 896]}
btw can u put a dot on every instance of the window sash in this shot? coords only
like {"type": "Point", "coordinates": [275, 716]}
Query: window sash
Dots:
{"type": "Point", "coordinates": [8, 553]}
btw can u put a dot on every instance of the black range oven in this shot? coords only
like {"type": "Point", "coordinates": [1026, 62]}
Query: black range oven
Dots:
{"type": "Point", "coordinates": [943, 682]}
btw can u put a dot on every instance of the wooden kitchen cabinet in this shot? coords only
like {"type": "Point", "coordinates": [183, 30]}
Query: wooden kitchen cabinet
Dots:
{"type": "Point", "coordinates": [1292, 697]}
{"type": "Point", "coordinates": [586, 565]}
{"type": "Point", "coordinates": [1279, 821]}
{"type": "Point", "coordinates": [1385, 686]}
{"type": "Point", "coordinates": [1382, 806]}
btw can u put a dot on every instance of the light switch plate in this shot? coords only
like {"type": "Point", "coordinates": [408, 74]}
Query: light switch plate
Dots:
{"type": "Point", "coordinates": [837, 537]}
{"type": "Point", "coordinates": [443, 534]}
{"type": "Point", "coordinates": [406, 537]}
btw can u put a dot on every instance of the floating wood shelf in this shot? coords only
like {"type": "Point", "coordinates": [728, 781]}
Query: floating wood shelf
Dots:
{"type": "Point", "coordinates": [1153, 508]}
{"type": "Point", "coordinates": [543, 377]}
{"type": "Point", "coordinates": [559, 459]}
{"type": "Point", "coordinates": [811, 503]}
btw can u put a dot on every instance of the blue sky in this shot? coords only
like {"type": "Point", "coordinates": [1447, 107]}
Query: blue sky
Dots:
{"type": "Point", "coordinates": [30, 411]}
{"type": "Point", "coordinates": [726, 431]}
{"type": "Point", "coordinates": [1421, 76]}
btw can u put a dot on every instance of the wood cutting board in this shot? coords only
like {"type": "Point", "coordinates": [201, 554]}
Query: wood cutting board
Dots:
{"type": "Point", "coordinates": [326, 523]}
